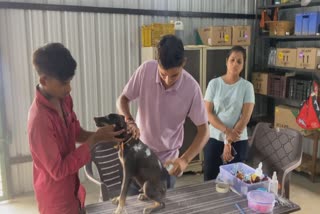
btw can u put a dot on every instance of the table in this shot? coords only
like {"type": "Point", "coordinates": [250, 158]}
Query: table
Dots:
{"type": "Point", "coordinates": [197, 198]}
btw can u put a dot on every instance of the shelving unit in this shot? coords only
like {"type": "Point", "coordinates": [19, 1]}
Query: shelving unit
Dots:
{"type": "Point", "coordinates": [313, 74]}
{"type": "Point", "coordinates": [289, 5]}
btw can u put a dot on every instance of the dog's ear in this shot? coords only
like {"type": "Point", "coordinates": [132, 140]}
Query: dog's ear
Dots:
{"type": "Point", "coordinates": [122, 118]}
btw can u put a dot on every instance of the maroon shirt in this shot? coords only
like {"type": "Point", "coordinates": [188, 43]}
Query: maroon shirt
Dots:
{"type": "Point", "coordinates": [56, 160]}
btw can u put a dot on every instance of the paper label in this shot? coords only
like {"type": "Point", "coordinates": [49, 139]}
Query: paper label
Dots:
{"type": "Point", "coordinates": [226, 37]}
{"type": "Point", "coordinates": [280, 55]}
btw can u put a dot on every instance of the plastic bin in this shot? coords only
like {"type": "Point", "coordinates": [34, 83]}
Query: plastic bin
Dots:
{"type": "Point", "coordinates": [243, 188]}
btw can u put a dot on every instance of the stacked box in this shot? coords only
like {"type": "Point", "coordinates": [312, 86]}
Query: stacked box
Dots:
{"type": "Point", "coordinates": [241, 35]}
{"type": "Point", "coordinates": [277, 85]}
{"type": "Point", "coordinates": [216, 36]}
{"type": "Point", "coordinates": [308, 58]}
{"type": "Point", "coordinates": [260, 82]}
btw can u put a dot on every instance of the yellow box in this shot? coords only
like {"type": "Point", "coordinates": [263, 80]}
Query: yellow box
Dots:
{"type": "Point", "coordinates": [286, 57]}
{"type": "Point", "coordinates": [151, 34]}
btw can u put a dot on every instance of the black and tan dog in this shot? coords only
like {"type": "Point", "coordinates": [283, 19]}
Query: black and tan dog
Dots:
{"type": "Point", "coordinates": [140, 164]}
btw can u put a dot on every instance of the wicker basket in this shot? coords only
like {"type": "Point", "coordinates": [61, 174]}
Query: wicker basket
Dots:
{"type": "Point", "coordinates": [280, 28]}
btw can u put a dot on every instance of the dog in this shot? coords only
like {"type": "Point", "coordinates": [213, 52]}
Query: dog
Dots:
{"type": "Point", "coordinates": [139, 163]}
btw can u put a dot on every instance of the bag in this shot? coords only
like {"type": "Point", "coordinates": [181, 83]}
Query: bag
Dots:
{"type": "Point", "coordinates": [308, 117]}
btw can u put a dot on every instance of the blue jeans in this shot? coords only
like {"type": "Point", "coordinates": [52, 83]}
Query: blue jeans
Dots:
{"type": "Point", "coordinates": [134, 187]}
{"type": "Point", "coordinates": [212, 156]}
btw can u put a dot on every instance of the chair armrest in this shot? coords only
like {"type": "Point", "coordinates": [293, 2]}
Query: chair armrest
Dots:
{"type": "Point", "coordinates": [89, 174]}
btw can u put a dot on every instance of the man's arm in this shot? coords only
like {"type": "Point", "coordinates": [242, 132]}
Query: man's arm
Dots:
{"type": "Point", "coordinates": [106, 134]}
{"type": "Point", "coordinates": [198, 143]}
{"type": "Point", "coordinates": [123, 107]}
{"type": "Point", "coordinates": [83, 136]}
{"type": "Point", "coordinates": [200, 140]}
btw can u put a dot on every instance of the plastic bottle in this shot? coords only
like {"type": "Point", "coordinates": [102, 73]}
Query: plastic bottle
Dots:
{"type": "Point", "coordinates": [258, 171]}
{"type": "Point", "coordinates": [273, 185]}
{"type": "Point", "coordinates": [178, 27]}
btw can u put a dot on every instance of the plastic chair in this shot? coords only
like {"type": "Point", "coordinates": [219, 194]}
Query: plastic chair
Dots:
{"type": "Point", "coordinates": [279, 149]}
{"type": "Point", "coordinates": [106, 159]}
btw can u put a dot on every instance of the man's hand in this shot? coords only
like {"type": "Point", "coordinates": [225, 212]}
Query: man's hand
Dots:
{"type": "Point", "coordinates": [106, 134]}
{"type": "Point", "coordinates": [227, 156]}
{"type": "Point", "coordinates": [179, 165]}
{"type": "Point", "coordinates": [133, 129]}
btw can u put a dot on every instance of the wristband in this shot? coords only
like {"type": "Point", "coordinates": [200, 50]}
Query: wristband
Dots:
{"type": "Point", "coordinates": [129, 119]}
{"type": "Point", "coordinates": [225, 130]}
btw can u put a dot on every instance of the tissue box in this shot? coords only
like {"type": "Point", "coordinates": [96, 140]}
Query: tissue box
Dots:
{"type": "Point", "coordinates": [243, 188]}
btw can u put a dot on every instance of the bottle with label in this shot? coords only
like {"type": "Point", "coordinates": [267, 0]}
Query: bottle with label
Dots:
{"type": "Point", "coordinates": [178, 27]}
{"type": "Point", "coordinates": [273, 185]}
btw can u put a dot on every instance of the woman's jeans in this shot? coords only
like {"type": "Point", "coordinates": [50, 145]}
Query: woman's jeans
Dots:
{"type": "Point", "coordinates": [212, 156]}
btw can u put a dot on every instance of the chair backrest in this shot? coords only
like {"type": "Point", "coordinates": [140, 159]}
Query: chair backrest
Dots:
{"type": "Point", "coordinates": [106, 159]}
{"type": "Point", "coordinates": [279, 149]}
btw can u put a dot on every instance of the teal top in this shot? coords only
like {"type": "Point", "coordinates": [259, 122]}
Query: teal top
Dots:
{"type": "Point", "coordinates": [228, 101]}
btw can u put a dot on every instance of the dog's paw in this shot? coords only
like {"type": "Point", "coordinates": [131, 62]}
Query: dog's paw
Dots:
{"type": "Point", "coordinates": [120, 210]}
{"type": "Point", "coordinates": [115, 200]}
{"type": "Point", "coordinates": [142, 197]}
{"type": "Point", "coordinates": [147, 210]}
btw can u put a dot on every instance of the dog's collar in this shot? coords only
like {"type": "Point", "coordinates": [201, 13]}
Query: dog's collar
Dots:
{"type": "Point", "coordinates": [127, 141]}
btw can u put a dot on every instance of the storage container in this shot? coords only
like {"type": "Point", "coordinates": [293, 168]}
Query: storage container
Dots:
{"type": "Point", "coordinates": [227, 176]}
{"type": "Point", "coordinates": [261, 201]}
{"type": "Point", "coordinates": [280, 28]}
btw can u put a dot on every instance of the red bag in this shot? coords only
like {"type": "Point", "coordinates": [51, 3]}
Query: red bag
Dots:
{"type": "Point", "coordinates": [308, 117]}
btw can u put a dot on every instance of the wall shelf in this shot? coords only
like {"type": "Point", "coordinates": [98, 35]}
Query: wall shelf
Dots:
{"type": "Point", "coordinates": [288, 101]}
{"type": "Point", "coordinates": [292, 37]}
{"type": "Point", "coordinates": [290, 5]}
{"type": "Point", "coordinates": [296, 70]}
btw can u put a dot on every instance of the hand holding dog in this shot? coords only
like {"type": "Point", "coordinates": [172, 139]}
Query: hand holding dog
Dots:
{"type": "Point", "coordinates": [107, 134]}
{"type": "Point", "coordinates": [133, 129]}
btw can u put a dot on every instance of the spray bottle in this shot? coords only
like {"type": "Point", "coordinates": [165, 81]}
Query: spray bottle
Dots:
{"type": "Point", "coordinates": [273, 185]}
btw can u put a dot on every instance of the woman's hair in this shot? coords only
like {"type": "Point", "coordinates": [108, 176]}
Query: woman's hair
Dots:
{"type": "Point", "coordinates": [238, 49]}
{"type": "Point", "coordinates": [54, 60]}
{"type": "Point", "coordinates": [170, 52]}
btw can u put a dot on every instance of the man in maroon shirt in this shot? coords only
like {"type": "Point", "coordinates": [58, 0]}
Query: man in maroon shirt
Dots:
{"type": "Point", "coordinates": [53, 131]}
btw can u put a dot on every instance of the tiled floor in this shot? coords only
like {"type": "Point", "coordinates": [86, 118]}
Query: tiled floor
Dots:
{"type": "Point", "coordinates": [303, 192]}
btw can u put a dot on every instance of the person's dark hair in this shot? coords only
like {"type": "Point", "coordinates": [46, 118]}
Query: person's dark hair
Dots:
{"type": "Point", "coordinates": [54, 60]}
{"type": "Point", "coordinates": [240, 49]}
{"type": "Point", "coordinates": [170, 52]}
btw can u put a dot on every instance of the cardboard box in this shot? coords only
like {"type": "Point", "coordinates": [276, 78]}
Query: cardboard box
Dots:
{"type": "Point", "coordinates": [308, 58]}
{"type": "Point", "coordinates": [241, 35]}
{"type": "Point", "coordinates": [148, 53]}
{"type": "Point", "coordinates": [285, 117]}
{"type": "Point", "coordinates": [215, 36]}
{"type": "Point", "coordinates": [286, 57]}
{"type": "Point", "coordinates": [260, 82]}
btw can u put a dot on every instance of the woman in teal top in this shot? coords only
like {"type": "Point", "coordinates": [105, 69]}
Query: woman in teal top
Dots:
{"type": "Point", "coordinates": [229, 101]}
